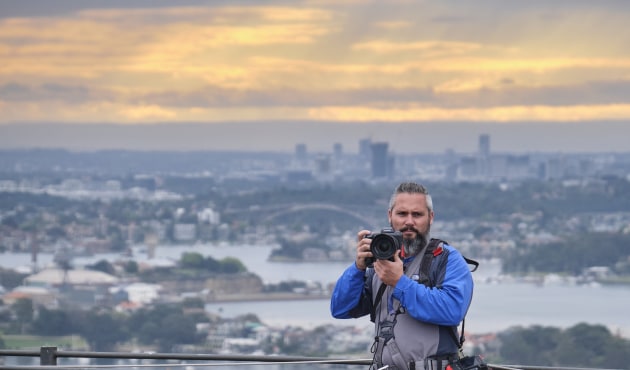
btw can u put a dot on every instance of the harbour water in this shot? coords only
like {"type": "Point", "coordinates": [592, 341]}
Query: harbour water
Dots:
{"type": "Point", "coordinates": [496, 305]}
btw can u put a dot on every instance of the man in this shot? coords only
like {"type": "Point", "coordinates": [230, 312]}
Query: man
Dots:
{"type": "Point", "coordinates": [415, 324]}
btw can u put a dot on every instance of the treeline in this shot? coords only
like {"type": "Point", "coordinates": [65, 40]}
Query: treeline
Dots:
{"type": "Point", "coordinates": [583, 345]}
{"type": "Point", "coordinates": [553, 199]}
{"type": "Point", "coordinates": [573, 255]}
{"type": "Point", "coordinates": [161, 326]}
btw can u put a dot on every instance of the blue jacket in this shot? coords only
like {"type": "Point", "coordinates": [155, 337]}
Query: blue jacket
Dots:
{"type": "Point", "coordinates": [423, 315]}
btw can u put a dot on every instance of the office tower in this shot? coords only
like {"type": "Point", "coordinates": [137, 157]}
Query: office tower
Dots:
{"type": "Point", "coordinates": [337, 150]}
{"type": "Point", "coordinates": [484, 164]}
{"type": "Point", "coordinates": [380, 160]}
{"type": "Point", "coordinates": [364, 148]}
{"type": "Point", "coordinates": [323, 167]}
{"type": "Point", "coordinates": [300, 152]}
{"type": "Point", "coordinates": [301, 156]}
{"type": "Point", "coordinates": [484, 145]}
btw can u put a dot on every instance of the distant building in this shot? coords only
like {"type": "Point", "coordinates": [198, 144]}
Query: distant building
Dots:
{"type": "Point", "coordinates": [58, 277]}
{"type": "Point", "coordinates": [297, 176]}
{"type": "Point", "coordinates": [323, 167]}
{"type": "Point", "coordinates": [39, 295]}
{"type": "Point", "coordinates": [337, 150]}
{"type": "Point", "coordinates": [300, 152]}
{"type": "Point", "coordinates": [553, 168]}
{"type": "Point", "coordinates": [484, 145]}
{"type": "Point", "coordinates": [210, 216]}
{"type": "Point", "coordinates": [506, 167]}
{"type": "Point", "coordinates": [380, 160]}
{"type": "Point", "coordinates": [185, 232]}
{"type": "Point", "coordinates": [142, 293]}
{"type": "Point", "coordinates": [365, 150]}
{"type": "Point", "coordinates": [467, 168]}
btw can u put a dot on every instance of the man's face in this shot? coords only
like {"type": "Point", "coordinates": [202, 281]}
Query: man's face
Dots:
{"type": "Point", "coordinates": [411, 216]}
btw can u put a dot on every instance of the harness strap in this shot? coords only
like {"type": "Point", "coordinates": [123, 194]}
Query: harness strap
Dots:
{"type": "Point", "coordinates": [424, 274]}
{"type": "Point", "coordinates": [425, 265]}
{"type": "Point", "coordinates": [471, 262]}
{"type": "Point", "coordinates": [424, 279]}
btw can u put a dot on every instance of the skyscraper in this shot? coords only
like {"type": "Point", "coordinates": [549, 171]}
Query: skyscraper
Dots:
{"type": "Point", "coordinates": [337, 150]}
{"type": "Point", "coordinates": [379, 159]}
{"type": "Point", "coordinates": [484, 163]}
{"type": "Point", "coordinates": [484, 145]}
{"type": "Point", "coordinates": [300, 151]}
{"type": "Point", "coordinates": [364, 148]}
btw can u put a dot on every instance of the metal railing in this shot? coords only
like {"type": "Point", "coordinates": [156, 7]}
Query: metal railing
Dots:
{"type": "Point", "coordinates": [48, 359]}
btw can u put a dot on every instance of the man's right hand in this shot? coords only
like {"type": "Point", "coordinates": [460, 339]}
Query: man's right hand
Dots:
{"type": "Point", "coordinates": [363, 249]}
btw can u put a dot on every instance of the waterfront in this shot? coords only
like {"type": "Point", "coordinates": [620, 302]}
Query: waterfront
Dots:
{"type": "Point", "coordinates": [496, 306]}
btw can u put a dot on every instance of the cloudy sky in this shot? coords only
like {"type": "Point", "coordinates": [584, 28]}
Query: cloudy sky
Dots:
{"type": "Point", "coordinates": [438, 66]}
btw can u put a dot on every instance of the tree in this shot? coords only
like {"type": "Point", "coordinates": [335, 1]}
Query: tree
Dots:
{"type": "Point", "coordinates": [583, 345]}
{"type": "Point", "coordinates": [176, 329]}
{"type": "Point", "coordinates": [103, 266]}
{"type": "Point", "coordinates": [231, 265]}
{"type": "Point", "coordinates": [530, 346]}
{"type": "Point", "coordinates": [192, 260]}
{"type": "Point", "coordinates": [164, 326]}
{"type": "Point", "coordinates": [587, 345]}
{"type": "Point", "coordinates": [131, 267]}
{"type": "Point", "coordinates": [10, 279]}
{"type": "Point", "coordinates": [24, 310]}
{"type": "Point", "coordinates": [102, 331]}
{"type": "Point", "coordinates": [53, 322]}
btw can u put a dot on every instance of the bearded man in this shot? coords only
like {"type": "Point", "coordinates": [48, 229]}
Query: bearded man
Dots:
{"type": "Point", "coordinates": [416, 317]}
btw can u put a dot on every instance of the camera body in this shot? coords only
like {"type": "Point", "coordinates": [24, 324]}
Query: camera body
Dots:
{"type": "Point", "coordinates": [384, 245]}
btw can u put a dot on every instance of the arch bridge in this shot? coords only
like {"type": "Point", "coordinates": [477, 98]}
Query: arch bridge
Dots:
{"type": "Point", "coordinates": [368, 221]}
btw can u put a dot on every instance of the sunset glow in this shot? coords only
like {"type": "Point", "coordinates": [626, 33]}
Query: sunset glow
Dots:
{"type": "Point", "coordinates": [357, 61]}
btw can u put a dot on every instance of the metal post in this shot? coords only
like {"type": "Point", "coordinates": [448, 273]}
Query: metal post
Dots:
{"type": "Point", "coordinates": [48, 356]}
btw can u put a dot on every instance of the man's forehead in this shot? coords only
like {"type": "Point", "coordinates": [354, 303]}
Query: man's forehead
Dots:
{"type": "Point", "coordinates": [406, 200]}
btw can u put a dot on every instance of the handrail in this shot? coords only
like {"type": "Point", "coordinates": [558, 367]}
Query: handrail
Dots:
{"type": "Point", "coordinates": [48, 360]}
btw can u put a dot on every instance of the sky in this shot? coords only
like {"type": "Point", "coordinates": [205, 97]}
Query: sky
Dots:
{"type": "Point", "coordinates": [536, 74]}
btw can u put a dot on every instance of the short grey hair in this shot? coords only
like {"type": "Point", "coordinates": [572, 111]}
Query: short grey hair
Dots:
{"type": "Point", "coordinates": [411, 188]}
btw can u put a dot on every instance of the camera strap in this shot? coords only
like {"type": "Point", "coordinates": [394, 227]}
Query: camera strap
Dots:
{"type": "Point", "coordinates": [379, 296]}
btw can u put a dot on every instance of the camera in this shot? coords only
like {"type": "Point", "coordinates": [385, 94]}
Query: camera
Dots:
{"type": "Point", "coordinates": [384, 245]}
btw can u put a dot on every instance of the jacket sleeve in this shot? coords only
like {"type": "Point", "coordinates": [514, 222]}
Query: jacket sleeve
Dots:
{"type": "Point", "coordinates": [447, 302]}
{"type": "Point", "coordinates": [352, 295]}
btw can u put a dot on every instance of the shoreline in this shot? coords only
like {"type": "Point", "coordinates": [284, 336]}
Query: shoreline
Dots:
{"type": "Point", "coordinates": [259, 297]}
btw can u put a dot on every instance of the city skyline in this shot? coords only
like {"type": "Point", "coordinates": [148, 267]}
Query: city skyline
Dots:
{"type": "Point", "coordinates": [199, 75]}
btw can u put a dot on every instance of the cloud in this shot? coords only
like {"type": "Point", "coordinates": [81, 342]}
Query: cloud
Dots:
{"type": "Point", "coordinates": [427, 48]}
{"type": "Point", "coordinates": [143, 61]}
{"type": "Point", "coordinates": [504, 114]}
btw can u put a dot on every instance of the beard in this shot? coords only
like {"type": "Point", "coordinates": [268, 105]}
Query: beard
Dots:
{"type": "Point", "coordinates": [413, 246]}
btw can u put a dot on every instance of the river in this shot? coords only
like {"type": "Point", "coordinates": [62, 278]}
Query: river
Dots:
{"type": "Point", "coordinates": [495, 306]}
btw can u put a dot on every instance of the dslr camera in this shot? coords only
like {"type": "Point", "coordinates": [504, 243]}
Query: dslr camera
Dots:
{"type": "Point", "coordinates": [384, 245]}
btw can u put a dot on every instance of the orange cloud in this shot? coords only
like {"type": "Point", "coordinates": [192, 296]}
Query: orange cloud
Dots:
{"type": "Point", "coordinates": [141, 64]}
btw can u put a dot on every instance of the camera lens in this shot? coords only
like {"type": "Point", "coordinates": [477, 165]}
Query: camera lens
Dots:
{"type": "Point", "coordinates": [383, 247]}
